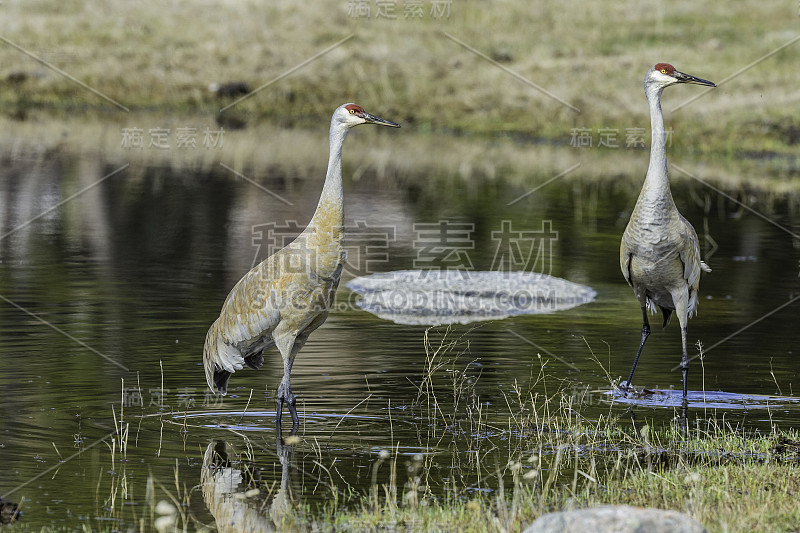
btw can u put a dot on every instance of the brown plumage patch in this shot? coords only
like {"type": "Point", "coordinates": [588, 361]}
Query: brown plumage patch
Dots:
{"type": "Point", "coordinates": [354, 108]}
{"type": "Point", "coordinates": [665, 68]}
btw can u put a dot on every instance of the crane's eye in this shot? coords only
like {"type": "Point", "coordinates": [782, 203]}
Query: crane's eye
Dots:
{"type": "Point", "coordinates": [663, 71]}
{"type": "Point", "coordinates": [352, 111]}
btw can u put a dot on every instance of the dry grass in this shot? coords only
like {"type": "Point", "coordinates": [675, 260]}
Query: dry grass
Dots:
{"type": "Point", "coordinates": [263, 152]}
{"type": "Point", "coordinates": [556, 458]}
{"type": "Point", "coordinates": [161, 56]}
{"type": "Point", "coordinates": [726, 478]}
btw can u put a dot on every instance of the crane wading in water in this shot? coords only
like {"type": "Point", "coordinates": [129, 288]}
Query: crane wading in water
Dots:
{"type": "Point", "coordinates": [287, 296]}
{"type": "Point", "coordinates": [659, 255]}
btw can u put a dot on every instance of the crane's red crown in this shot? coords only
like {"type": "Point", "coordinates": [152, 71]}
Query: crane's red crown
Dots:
{"type": "Point", "coordinates": [354, 109]}
{"type": "Point", "coordinates": [665, 68]}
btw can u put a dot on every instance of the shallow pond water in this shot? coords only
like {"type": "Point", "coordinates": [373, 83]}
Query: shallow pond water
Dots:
{"type": "Point", "coordinates": [107, 288]}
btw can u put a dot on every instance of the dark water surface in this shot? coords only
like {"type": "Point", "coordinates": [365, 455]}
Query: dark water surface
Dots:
{"type": "Point", "coordinates": [108, 289]}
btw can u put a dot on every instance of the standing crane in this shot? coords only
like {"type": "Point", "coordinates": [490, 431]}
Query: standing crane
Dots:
{"type": "Point", "coordinates": [287, 296]}
{"type": "Point", "coordinates": [659, 254]}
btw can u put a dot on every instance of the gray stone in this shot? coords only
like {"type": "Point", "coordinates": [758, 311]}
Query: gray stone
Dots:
{"type": "Point", "coordinates": [436, 297]}
{"type": "Point", "coordinates": [615, 519]}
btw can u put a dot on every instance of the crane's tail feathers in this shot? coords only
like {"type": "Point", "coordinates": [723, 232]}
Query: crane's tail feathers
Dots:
{"type": "Point", "coordinates": [221, 378]}
{"type": "Point", "coordinates": [704, 267]}
{"type": "Point", "coordinates": [254, 361]}
{"type": "Point", "coordinates": [220, 360]}
{"type": "Point", "coordinates": [654, 308]}
{"type": "Point", "coordinates": [667, 315]}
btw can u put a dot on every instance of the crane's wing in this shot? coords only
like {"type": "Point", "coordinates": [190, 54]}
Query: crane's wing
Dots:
{"type": "Point", "coordinates": [690, 255]}
{"type": "Point", "coordinates": [251, 308]}
{"type": "Point", "coordinates": [625, 253]}
{"type": "Point", "coordinates": [249, 314]}
{"type": "Point", "coordinates": [692, 264]}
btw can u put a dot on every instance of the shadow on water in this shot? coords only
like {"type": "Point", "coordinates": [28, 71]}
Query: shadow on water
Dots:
{"type": "Point", "coordinates": [107, 295]}
{"type": "Point", "coordinates": [231, 487]}
{"type": "Point", "coordinates": [9, 512]}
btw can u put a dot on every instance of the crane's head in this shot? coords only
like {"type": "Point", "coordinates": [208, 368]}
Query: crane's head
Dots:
{"type": "Point", "coordinates": [349, 115]}
{"type": "Point", "coordinates": [663, 75]}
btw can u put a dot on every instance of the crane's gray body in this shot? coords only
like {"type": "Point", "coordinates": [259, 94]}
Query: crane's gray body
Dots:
{"type": "Point", "coordinates": [660, 256]}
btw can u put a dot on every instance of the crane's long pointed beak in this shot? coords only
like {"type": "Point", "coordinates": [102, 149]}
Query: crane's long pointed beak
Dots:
{"type": "Point", "coordinates": [686, 78]}
{"type": "Point", "coordinates": [372, 119]}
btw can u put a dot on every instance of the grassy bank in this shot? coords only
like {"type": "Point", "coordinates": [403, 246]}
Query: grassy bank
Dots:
{"type": "Point", "coordinates": [725, 477]}
{"type": "Point", "coordinates": [424, 161]}
{"type": "Point", "coordinates": [730, 497]}
{"type": "Point", "coordinates": [726, 480]}
{"type": "Point", "coordinates": [555, 457]}
{"type": "Point", "coordinates": [567, 65]}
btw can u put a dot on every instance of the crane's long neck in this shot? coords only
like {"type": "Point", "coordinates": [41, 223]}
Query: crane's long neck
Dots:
{"type": "Point", "coordinates": [328, 218]}
{"type": "Point", "coordinates": [656, 184]}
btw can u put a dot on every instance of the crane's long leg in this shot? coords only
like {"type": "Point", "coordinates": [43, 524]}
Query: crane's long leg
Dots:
{"type": "Point", "coordinates": [684, 361]}
{"type": "Point", "coordinates": [289, 349]}
{"type": "Point", "coordinates": [285, 396]}
{"type": "Point", "coordinates": [681, 300]}
{"type": "Point", "coordinates": [287, 346]}
{"type": "Point", "coordinates": [645, 334]}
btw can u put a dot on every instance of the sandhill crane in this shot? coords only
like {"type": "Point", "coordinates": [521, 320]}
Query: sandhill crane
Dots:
{"type": "Point", "coordinates": [659, 255]}
{"type": "Point", "coordinates": [287, 296]}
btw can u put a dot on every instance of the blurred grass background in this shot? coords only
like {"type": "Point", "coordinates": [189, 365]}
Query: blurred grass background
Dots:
{"type": "Point", "coordinates": [158, 59]}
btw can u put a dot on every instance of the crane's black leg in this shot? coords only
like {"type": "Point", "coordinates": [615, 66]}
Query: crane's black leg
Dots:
{"type": "Point", "coordinates": [684, 365]}
{"type": "Point", "coordinates": [279, 409]}
{"type": "Point", "coordinates": [293, 412]}
{"type": "Point", "coordinates": [645, 334]}
{"type": "Point", "coordinates": [285, 396]}
{"type": "Point", "coordinates": [289, 349]}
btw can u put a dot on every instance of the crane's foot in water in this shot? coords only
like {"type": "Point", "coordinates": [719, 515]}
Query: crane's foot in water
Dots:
{"type": "Point", "coordinates": [629, 391]}
{"type": "Point", "coordinates": [285, 396]}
